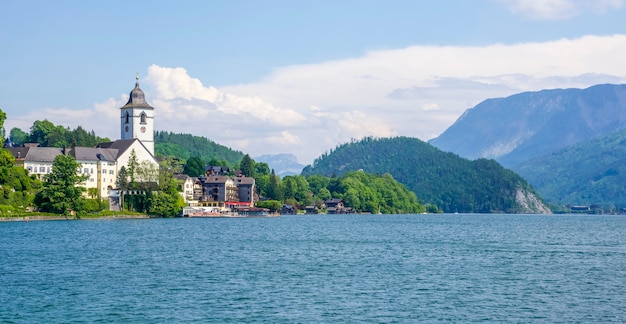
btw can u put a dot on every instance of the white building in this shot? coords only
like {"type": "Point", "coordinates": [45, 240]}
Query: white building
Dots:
{"type": "Point", "coordinates": [103, 162]}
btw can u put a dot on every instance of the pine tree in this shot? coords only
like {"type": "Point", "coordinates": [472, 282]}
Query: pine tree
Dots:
{"type": "Point", "coordinates": [274, 191]}
{"type": "Point", "coordinates": [247, 166]}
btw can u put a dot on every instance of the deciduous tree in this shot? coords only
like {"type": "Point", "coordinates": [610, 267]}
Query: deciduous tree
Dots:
{"type": "Point", "coordinates": [62, 192]}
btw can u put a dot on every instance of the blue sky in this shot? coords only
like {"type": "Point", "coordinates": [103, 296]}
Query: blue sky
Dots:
{"type": "Point", "coordinates": [268, 77]}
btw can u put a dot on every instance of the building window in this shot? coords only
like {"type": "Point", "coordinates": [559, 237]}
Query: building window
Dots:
{"type": "Point", "coordinates": [127, 117]}
{"type": "Point", "coordinates": [110, 171]}
{"type": "Point", "coordinates": [104, 171]}
{"type": "Point", "coordinates": [42, 169]}
{"type": "Point", "coordinates": [142, 118]}
{"type": "Point", "coordinates": [86, 170]}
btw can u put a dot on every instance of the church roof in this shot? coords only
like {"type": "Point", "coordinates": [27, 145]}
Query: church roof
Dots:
{"type": "Point", "coordinates": [122, 146]}
{"type": "Point", "coordinates": [137, 99]}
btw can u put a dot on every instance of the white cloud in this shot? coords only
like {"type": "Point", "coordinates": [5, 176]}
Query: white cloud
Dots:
{"type": "Point", "coordinates": [560, 9]}
{"type": "Point", "coordinates": [430, 106]}
{"type": "Point", "coordinates": [306, 110]}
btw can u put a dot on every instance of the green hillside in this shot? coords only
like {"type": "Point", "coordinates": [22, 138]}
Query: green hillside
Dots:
{"type": "Point", "coordinates": [592, 172]}
{"type": "Point", "coordinates": [185, 146]}
{"type": "Point", "coordinates": [444, 179]}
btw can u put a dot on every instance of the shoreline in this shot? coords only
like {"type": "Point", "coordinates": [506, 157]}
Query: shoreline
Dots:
{"type": "Point", "coordinates": [55, 218]}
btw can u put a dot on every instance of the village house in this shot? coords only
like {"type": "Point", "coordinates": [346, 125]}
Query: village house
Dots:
{"type": "Point", "coordinates": [187, 187]}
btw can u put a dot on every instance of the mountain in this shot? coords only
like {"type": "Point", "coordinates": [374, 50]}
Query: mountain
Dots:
{"type": "Point", "coordinates": [453, 183]}
{"type": "Point", "coordinates": [591, 172]}
{"type": "Point", "coordinates": [526, 125]}
{"type": "Point", "coordinates": [283, 164]}
{"type": "Point", "coordinates": [185, 146]}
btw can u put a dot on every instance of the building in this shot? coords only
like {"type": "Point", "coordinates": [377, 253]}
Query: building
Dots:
{"type": "Point", "coordinates": [187, 187]}
{"type": "Point", "coordinates": [103, 162]}
{"type": "Point", "coordinates": [137, 119]}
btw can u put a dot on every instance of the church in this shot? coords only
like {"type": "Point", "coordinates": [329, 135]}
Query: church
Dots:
{"type": "Point", "coordinates": [102, 163]}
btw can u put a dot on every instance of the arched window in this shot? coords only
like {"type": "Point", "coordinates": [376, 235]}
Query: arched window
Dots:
{"type": "Point", "coordinates": [127, 117]}
{"type": "Point", "coordinates": [142, 118]}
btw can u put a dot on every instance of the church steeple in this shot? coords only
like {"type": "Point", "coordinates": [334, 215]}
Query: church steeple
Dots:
{"type": "Point", "coordinates": [137, 118]}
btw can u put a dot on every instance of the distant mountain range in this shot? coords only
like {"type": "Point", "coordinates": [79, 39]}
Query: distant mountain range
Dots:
{"type": "Point", "coordinates": [567, 143]}
{"type": "Point", "coordinates": [283, 164]}
{"type": "Point", "coordinates": [530, 124]}
{"type": "Point", "coordinates": [452, 183]}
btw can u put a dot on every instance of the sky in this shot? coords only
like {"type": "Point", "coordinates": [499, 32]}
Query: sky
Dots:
{"type": "Point", "coordinates": [299, 77]}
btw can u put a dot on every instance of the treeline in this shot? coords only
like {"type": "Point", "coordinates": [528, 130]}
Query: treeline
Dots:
{"type": "Point", "coordinates": [439, 178]}
{"type": "Point", "coordinates": [186, 146]}
{"type": "Point", "coordinates": [47, 134]}
{"type": "Point", "coordinates": [359, 190]}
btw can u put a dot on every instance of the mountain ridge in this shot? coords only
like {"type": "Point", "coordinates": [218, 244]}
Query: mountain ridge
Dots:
{"type": "Point", "coordinates": [530, 124]}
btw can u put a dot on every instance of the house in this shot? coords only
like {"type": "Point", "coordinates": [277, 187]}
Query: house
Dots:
{"type": "Point", "coordinates": [311, 210]}
{"type": "Point", "coordinates": [224, 190]}
{"type": "Point", "coordinates": [219, 189]}
{"type": "Point", "coordinates": [334, 206]}
{"type": "Point", "coordinates": [36, 160]}
{"type": "Point", "coordinates": [288, 210]}
{"type": "Point", "coordinates": [187, 184]}
{"type": "Point", "coordinates": [245, 189]}
{"type": "Point", "coordinates": [99, 165]}
{"type": "Point", "coordinates": [216, 170]}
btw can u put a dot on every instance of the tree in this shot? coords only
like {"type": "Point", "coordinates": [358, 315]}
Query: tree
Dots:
{"type": "Point", "coordinates": [92, 192]}
{"type": "Point", "coordinates": [166, 202]}
{"type": "Point", "coordinates": [274, 191]}
{"type": "Point", "coordinates": [272, 205]}
{"type": "Point", "coordinates": [261, 168]}
{"type": "Point", "coordinates": [262, 183]}
{"type": "Point", "coordinates": [40, 131]}
{"type": "Point", "coordinates": [147, 176]}
{"type": "Point", "coordinates": [122, 179]}
{"type": "Point", "coordinates": [247, 166]}
{"type": "Point", "coordinates": [18, 137]}
{"type": "Point", "coordinates": [62, 192]}
{"type": "Point", "coordinates": [289, 185]}
{"type": "Point", "coordinates": [194, 167]}
{"type": "Point", "coordinates": [133, 164]}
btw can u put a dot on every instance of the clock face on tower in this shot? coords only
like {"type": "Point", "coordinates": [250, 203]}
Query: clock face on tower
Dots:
{"type": "Point", "coordinates": [143, 129]}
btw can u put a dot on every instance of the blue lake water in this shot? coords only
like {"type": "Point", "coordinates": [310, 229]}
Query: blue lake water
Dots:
{"type": "Point", "coordinates": [312, 269]}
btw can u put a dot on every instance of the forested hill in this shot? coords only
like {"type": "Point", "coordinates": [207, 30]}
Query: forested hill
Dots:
{"type": "Point", "coordinates": [591, 172]}
{"type": "Point", "coordinates": [453, 183]}
{"type": "Point", "coordinates": [185, 146]}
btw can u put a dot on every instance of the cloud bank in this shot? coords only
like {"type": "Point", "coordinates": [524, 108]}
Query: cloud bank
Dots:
{"type": "Point", "coordinates": [307, 110]}
{"type": "Point", "coordinates": [560, 9]}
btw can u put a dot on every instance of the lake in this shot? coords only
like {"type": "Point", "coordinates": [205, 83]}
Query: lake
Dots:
{"type": "Point", "coordinates": [314, 269]}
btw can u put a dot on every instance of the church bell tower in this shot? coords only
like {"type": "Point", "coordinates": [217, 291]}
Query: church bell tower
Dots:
{"type": "Point", "coordinates": [137, 119]}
